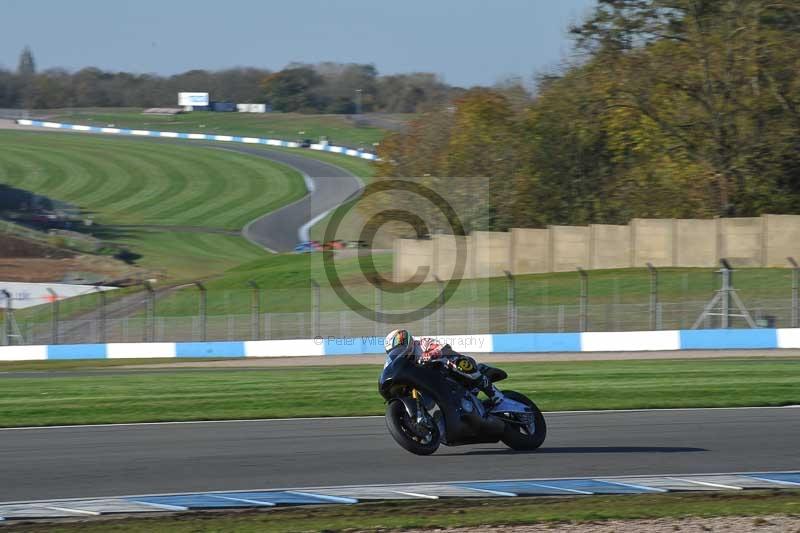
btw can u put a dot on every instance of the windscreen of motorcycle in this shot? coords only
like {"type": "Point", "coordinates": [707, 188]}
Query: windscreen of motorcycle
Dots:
{"type": "Point", "coordinates": [393, 354]}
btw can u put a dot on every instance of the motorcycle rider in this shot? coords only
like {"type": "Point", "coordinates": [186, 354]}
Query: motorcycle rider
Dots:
{"type": "Point", "coordinates": [429, 351]}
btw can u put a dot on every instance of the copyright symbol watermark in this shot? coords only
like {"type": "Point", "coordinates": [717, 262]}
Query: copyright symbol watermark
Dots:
{"type": "Point", "coordinates": [410, 208]}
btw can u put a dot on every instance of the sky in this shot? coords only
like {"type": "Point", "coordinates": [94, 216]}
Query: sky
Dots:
{"type": "Point", "coordinates": [467, 42]}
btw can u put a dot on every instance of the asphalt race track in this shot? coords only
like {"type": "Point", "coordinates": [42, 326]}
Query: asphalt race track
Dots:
{"type": "Point", "coordinates": [333, 185]}
{"type": "Point", "coordinates": [71, 462]}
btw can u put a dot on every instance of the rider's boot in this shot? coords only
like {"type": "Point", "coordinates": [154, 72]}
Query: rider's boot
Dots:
{"type": "Point", "coordinates": [495, 397]}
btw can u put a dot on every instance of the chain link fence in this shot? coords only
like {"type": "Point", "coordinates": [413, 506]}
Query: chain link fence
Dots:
{"type": "Point", "coordinates": [634, 301]}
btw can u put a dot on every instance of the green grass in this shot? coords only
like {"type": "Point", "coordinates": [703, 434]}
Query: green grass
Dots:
{"type": "Point", "coordinates": [286, 282]}
{"type": "Point", "coordinates": [129, 184]}
{"type": "Point", "coordinates": [351, 390]}
{"type": "Point", "coordinates": [558, 513]}
{"type": "Point", "coordinates": [339, 129]}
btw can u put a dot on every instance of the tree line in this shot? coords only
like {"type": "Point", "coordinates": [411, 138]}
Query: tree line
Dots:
{"type": "Point", "coordinates": [321, 88]}
{"type": "Point", "coordinates": [672, 108]}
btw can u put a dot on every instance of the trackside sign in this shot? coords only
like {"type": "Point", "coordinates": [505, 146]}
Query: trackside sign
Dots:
{"type": "Point", "coordinates": [31, 294]}
{"type": "Point", "coordinates": [193, 99]}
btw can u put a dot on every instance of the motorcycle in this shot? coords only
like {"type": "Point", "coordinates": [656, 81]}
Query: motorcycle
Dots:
{"type": "Point", "coordinates": [428, 406]}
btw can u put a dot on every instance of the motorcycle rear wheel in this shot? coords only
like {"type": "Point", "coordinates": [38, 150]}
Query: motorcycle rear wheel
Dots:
{"type": "Point", "coordinates": [401, 428]}
{"type": "Point", "coordinates": [520, 438]}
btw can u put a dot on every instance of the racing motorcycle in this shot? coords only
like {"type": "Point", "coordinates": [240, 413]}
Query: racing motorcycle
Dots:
{"type": "Point", "coordinates": [428, 406]}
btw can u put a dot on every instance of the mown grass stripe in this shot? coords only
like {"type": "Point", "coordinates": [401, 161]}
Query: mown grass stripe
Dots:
{"type": "Point", "coordinates": [126, 182]}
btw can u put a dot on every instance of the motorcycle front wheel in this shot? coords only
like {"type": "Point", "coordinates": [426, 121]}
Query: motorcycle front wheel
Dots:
{"type": "Point", "coordinates": [525, 437]}
{"type": "Point", "coordinates": [415, 438]}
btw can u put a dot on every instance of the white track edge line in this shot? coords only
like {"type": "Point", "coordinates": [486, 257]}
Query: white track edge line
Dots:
{"type": "Point", "coordinates": [134, 497]}
{"type": "Point", "coordinates": [243, 500]}
{"type": "Point", "coordinates": [705, 483]}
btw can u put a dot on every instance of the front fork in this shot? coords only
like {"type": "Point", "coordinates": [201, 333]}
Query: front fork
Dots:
{"type": "Point", "coordinates": [422, 414]}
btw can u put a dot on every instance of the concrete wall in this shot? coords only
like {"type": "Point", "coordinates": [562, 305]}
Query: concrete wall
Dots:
{"type": "Point", "coordinates": [695, 243]}
{"type": "Point", "coordinates": [746, 242]}
{"type": "Point", "coordinates": [782, 239]}
{"type": "Point", "coordinates": [448, 252]}
{"type": "Point", "coordinates": [409, 257]}
{"type": "Point", "coordinates": [610, 246]}
{"type": "Point", "coordinates": [652, 242]}
{"type": "Point", "coordinates": [569, 248]}
{"type": "Point", "coordinates": [741, 241]}
{"type": "Point", "coordinates": [491, 253]}
{"type": "Point", "coordinates": [530, 251]}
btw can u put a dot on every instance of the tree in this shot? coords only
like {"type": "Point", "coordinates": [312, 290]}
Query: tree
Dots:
{"type": "Point", "coordinates": [26, 67]}
{"type": "Point", "coordinates": [704, 75]}
{"type": "Point", "coordinates": [676, 108]}
{"type": "Point", "coordinates": [291, 89]}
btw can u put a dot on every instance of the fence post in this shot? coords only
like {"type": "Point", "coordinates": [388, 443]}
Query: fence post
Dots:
{"type": "Point", "coordinates": [6, 340]}
{"type": "Point", "coordinates": [653, 296]}
{"type": "Point", "coordinates": [378, 309]}
{"type": "Point", "coordinates": [440, 287]}
{"type": "Point", "coordinates": [584, 300]}
{"type": "Point", "coordinates": [203, 311]}
{"type": "Point", "coordinates": [512, 302]}
{"type": "Point", "coordinates": [101, 332]}
{"type": "Point", "coordinates": [315, 309]}
{"type": "Point", "coordinates": [54, 317]}
{"type": "Point", "coordinates": [150, 313]}
{"type": "Point", "coordinates": [255, 310]}
{"type": "Point", "coordinates": [795, 292]}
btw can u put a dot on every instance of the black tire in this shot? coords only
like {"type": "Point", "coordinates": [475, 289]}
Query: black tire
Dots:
{"type": "Point", "coordinates": [397, 421]}
{"type": "Point", "coordinates": [516, 437]}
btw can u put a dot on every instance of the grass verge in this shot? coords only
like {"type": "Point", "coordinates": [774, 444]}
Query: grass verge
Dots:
{"type": "Point", "coordinates": [556, 512]}
{"type": "Point", "coordinates": [351, 390]}
{"type": "Point", "coordinates": [179, 207]}
{"type": "Point", "coordinates": [339, 129]}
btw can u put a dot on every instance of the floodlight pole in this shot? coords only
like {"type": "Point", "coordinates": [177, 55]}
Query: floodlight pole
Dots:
{"type": "Point", "coordinates": [724, 297]}
{"type": "Point", "coordinates": [584, 300]}
{"type": "Point", "coordinates": [795, 292]}
{"type": "Point", "coordinates": [727, 284]}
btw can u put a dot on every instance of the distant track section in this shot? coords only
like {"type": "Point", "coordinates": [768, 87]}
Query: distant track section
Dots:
{"type": "Point", "coordinates": [329, 186]}
{"type": "Point", "coordinates": [194, 136]}
{"type": "Point", "coordinates": [277, 231]}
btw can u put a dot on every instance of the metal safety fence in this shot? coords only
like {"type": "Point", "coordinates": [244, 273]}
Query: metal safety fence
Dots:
{"type": "Point", "coordinates": [585, 301]}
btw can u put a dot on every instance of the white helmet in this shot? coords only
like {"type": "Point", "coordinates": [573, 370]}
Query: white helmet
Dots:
{"type": "Point", "coordinates": [398, 337]}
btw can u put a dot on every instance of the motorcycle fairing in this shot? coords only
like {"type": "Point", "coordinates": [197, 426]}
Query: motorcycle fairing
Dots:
{"type": "Point", "coordinates": [463, 425]}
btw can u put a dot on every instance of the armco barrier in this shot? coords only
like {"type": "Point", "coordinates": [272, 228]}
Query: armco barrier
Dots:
{"type": "Point", "coordinates": [194, 136]}
{"type": "Point", "coordinates": [625, 341]}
